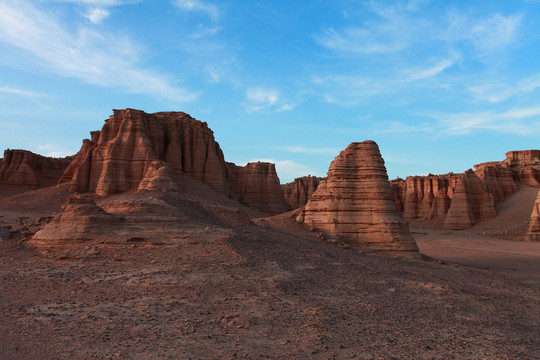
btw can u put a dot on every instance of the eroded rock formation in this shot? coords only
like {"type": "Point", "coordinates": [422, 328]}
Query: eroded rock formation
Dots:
{"type": "Point", "coordinates": [298, 192]}
{"type": "Point", "coordinates": [355, 203]}
{"type": "Point", "coordinates": [533, 233]}
{"type": "Point", "coordinates": [461, 200]}
{"type": "Point", "coordinates": [257, 185]}
{"type": "Point", "coordinates": [136, 150]}
{"type": "Point", "coordinates": [22, 167]}
{"type": "Point", "coordinates": [470, 203]}
{"type": "Point", "coordinates": [80, 220]}
{"type": "Point", "coordinates": [118, 157]}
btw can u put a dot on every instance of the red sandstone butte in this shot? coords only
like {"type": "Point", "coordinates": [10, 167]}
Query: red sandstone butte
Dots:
{"type": "Point", "coordinates": [22, 167]}
{"type": "Point", "coordinates": [298, 192]}
{"type": "Point", "coordinates": [136, 150]}
{"type": "Point", "coordinates": [257, 185]}
{"type": "Point", "coordinates": [355, 203]}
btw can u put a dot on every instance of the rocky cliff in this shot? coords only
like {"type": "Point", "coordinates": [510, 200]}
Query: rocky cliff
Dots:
{"type": "Point", "coordinates": [461, 200]}
{"type": "Point", "coordinates": [298, 192]}
{"type": "Point", "coordinates": [257, 184]}
{"type": "Point", "coordinates": [136, 150]}
{"type": "Point", "coordinates": [355, 203]}
{"type": "Point", "coordinates": [533, 233]}
{"type": "Point", "coordinates": [22, 167]}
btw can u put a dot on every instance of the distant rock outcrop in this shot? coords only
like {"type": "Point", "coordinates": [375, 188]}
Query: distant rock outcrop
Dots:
{"type": "Point", "coordinates": [136, 150]}
{"type": "Point", "coordinates": [355, 203]}
{"type": "Point", "coordinates": [461, 200]}
{"type": "Point", "coordinates": [298, 192]}
{"type": "Point", "coordinates": [533, 233]}
{"type": "Point", "coordinates": [470, 203]}
{"type": "Point", "coordinates": [80, 220]}
{"type": "Point", "coordinates": [257, 185]}
{"type": "Point", "coordinates": [22, 167]}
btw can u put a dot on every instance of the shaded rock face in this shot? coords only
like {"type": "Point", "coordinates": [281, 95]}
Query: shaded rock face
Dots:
{"type": "Point", "coordinates": [140, 151]}
{"type": "Point", "coordinates": [533, 233]}
{"type": "Point", "coordinates": [425, 197]}
{"type": "Point", "coordinates": [257, 185]}
{"type": "Point", "coordinates": [470, 203]}
{"type": "Point", "coordinates": [22, 167]}
{"type": "Point", "coordinates": [80, 220]}
{"type": "Point", "coordinates": [119, 156]}
{"type": "Point", "coordinates": [298, 192]}
{"type": "Point", "coordinates": [356, 204]}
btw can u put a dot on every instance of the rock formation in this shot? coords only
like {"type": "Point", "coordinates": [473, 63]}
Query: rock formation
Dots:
{"type": "Point", "coordinates": [433, 197]}
{"type": "Point", "coordinates": [136, 150]}
{"type": "Point", "coordinates": [257, 185]}
{"type": "Point", "coordinates": [470, 203]}
{"type": "Point", "coordinates": [118, 157]}
{"type": "Point", "coordinates": [355, 203]}
{"type": "Point", "coordinates": [22, 167]}
{"type": "Point", "coordinates": [298, 192]}
{"type": "Point", "coordinates": [533, 233]}
{"type": "Point", "coordinates": [80, 220]}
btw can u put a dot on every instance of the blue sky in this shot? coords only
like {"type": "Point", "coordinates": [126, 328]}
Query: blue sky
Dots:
{"type": "Point", "coordinates": [440, 85]}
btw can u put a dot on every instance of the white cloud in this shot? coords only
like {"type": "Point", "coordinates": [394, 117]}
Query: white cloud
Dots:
{"type": "Point", "coordinates": [198, 5]}
{"type": "Point", "coordinates": [108, 60]}
{"type": "Point", "coordinates": [265, 99]}
{"type": "Point", "coordinates": [495, 90]}
{"type": "Point", "coordinates": [20, 92]}
{"type": "Point", "coordinates": [432, 71]}
{"type": "Point", "coordinates": [97, 15]}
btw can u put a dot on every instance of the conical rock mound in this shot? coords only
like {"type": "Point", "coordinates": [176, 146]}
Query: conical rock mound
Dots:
{"type": "Point", "coordinates": [356, 203]}
{"type": "Point", "coordinates": [533, 233]}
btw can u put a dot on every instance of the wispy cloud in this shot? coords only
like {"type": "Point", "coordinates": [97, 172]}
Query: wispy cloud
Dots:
{"type": "Point", "coordinates": [108, 60]}
{"type": "Point", "coordinates": [496, 90]}
{"type": "Point", "coordinates": [264, 99]}
{"type": "Point", "coordinates": [21, 92]}
{"type": "Point", "coordinates": [432, 71]}
{"type": "Point", "coordinates": [198, 5]}
{"type": "Point", "coordinates": [96, 15]}
{"type": "Point", "coordinates": [519, 121]}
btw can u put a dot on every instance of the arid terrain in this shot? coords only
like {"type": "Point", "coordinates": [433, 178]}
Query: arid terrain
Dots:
{"type": "Point", "coordinates": [151, 246]}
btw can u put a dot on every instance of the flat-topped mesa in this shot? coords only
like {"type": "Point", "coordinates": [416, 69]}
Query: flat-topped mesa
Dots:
{"type": "Point", "coordinates": [355, 203]}
{"type": "Point", "coordinates": [522, 158]}
{"type": "Point", "coordinates": [118, 157]}
{"type": "Point", "coordinates": [22, 167]}
{"type": "Point", "coordinates": [533, 233]}
{"type": "Point", "coordinates": [257, 185]}
{"type": "Point", "coordinates": [298, 192]}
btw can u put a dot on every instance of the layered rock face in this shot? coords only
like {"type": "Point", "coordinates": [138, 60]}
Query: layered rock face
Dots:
{"type": "Point", "coordinates": [298, 192]}
{"type": "Point", "coordinates": [461, 200]}
{"type": "Point", "coordinates": [533, 233]}
{"type": "Point", "coordinates": [80, 220]}
{"type": "Point", "coordinates": [257, 184]}
{"type": "Point", "coordinates": [22, 167]}
{"type": "Point", "coordinates": [118, 157]}
{"type": "Point", "coordinates": [140, 151]}
{"type": "Point", "coordinates": [356, 204]}
{"type": "Point", "coordinates": [470, 203]}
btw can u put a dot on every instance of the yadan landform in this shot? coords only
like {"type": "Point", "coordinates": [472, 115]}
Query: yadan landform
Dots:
{"type": "Point", "coordinates": [148, 244]}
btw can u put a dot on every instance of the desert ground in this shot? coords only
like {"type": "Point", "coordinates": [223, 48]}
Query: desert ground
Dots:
{"type": "Point", "coordinates": [213, 280]}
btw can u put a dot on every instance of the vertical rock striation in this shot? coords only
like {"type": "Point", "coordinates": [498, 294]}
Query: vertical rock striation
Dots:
{"type": "Point", "coordinates": [533, 233]}
{"type": "Point", "coordinates": [298, 192]}
{"type": "Point", "coordinates": [22, 167]}
{"type": "Point", "coordinates": [355, 203]}
{"type": "Point", "coordinates": [257, 184]}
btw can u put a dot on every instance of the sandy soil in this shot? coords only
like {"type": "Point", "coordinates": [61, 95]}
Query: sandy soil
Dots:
{"type": "Point", "coordinates": [214, 285]}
